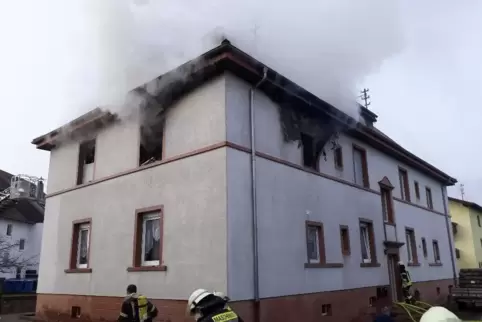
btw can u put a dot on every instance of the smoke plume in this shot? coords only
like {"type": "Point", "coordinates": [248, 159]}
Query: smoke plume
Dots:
{"type": "Point", "coordinates": [327, 47]}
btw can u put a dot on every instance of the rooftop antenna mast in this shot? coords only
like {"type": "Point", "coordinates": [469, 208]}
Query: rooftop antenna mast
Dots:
{"type": "Point", "coordinates": [462, 191]}
{"type": "Point", "coordinates": [365, 97]}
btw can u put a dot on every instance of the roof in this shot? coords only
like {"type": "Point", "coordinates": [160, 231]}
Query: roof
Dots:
{"type": "Point", "coordinates": [227, 57]}
{"type": "Point", "coordinates": [24, 210]}
{"type": "Point", "coordinates": [465, 203]}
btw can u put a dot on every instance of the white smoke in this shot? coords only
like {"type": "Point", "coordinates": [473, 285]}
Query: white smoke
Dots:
{"type": "Point", "coordinates": [326, 46]}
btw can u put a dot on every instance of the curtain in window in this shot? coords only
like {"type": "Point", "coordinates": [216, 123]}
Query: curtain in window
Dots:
{"type": "Point", "coordinates": [312, 244]}
{"type": "Point", "coordinates": [365, 243]}
{"type": "Point", "coordinates": [83, 246]}
{"type": "Point", "coordinates": [152, 240]}
{"type": "Point", "coordinates": [358, 164]}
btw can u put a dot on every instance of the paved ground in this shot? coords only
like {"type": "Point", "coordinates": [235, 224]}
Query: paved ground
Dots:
{"type": "Point", "coordinates": [11, 318]}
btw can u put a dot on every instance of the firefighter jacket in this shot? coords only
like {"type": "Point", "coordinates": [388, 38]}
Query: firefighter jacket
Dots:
{"type": "Point", "coordinates": [137, 308]}
{"type": "Point", "coordinates": [223, 315]}
{"type": "Point", "coordinates": [406, 279]}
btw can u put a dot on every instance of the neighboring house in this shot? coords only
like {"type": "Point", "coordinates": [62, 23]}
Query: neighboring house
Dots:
{"type": "Point", "coordinates": [21, 226]}
{"type": "Point", "coordinates": [467, 228]}
{"type": "Point", "coordinates": [174, 211]}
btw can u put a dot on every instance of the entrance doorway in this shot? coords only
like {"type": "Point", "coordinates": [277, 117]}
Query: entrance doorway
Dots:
{"type": "Point", "coordinates": [394, 278]}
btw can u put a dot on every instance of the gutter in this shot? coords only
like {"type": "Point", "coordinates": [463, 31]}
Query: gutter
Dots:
{"type": "Point", "coordinates": [254, 203]}
{"type": "Point", "coordinates": [449, 235]}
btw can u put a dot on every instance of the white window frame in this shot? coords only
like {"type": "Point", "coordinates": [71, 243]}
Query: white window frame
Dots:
{"type": "Point", "coordinates": [317, 245]}
{"type": "Point", "coordinates": [83, 227]}
{"type": "Point", "coordinates": [365, 233]}
{"type": "Point", "coordinates": [408, 240]}
{"type": "Point", "coordinates": [146, 218]}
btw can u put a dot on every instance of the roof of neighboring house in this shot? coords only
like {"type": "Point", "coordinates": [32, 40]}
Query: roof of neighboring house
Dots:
{"type": "Point", "coordinates": [24, 210]}
{"type": "Point", "coordinates": [465, 203]}
{"type": "Point", "coordinates": [227, 57]}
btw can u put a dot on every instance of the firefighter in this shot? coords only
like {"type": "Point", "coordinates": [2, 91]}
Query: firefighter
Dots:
{"type": "Point", "coordinates": [136, 307]}
{"type": "Point", "coordinates": [439, 314]}
{"type": "Point", "coordinates": [205, 306]}
{"type": "Point", "coordinates": [406, 283]}
{"type": "Point", "coordinates": [224, 297]}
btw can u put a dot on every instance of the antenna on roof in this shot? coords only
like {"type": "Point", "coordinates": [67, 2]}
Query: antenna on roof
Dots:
{"type": "Point", "coordinates": [462, 191]}
{"type": "Point", "coordinates": [365, 97]}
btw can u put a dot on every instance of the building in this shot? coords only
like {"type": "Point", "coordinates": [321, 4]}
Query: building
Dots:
{"type": "Point", "coordinates": [21, 226]}
{"type": "Point", "coordinates": [467, 228]}
{"type": "Point", "coordinates": [298, 238]}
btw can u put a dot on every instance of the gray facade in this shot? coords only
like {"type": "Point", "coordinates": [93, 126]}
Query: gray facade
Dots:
{"type": "Point", "coordinates": [207, 232]}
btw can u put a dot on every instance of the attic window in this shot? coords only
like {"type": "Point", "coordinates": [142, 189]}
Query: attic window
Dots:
{"type": "Point", "coordinates": [151, 144]}
{"type": "Point", "coordinates": [310, 159]}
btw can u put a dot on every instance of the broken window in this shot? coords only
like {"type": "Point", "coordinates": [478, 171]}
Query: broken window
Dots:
{"type": "Point", "coordinates": [151, 143]}
{"type": "Point", "coordinates": [85, 171]}
{"type": "Point", "coordinates": [310, 157]}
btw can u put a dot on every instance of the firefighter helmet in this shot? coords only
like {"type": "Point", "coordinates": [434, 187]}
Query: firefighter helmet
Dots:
{"type": "Point", "coordinates": [439, 314]}
{"type": "Point", "coordinates": [196, 297]}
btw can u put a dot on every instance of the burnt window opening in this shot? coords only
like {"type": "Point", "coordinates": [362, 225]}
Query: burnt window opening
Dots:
{"type": "Point", "coordinates": [151, 144]}
{"type": "Point", "coordinates": [310, 157]}
{"type": "Point", "coordinates": [85, 171]}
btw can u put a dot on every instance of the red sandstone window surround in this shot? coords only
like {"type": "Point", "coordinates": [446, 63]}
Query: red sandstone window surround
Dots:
{"type": "Point", "coordinates": [360, 166]}
{"type": "Point", "coordinates": [148, 240]}
{"type": "Point", "coordinates": [411, 247]}
{"type": "Point", "coordinates": [80, 247]}
{"type": "Point", "coordinates": [315, 246]}
{"type": "Point", "coordinates": [367, 243]}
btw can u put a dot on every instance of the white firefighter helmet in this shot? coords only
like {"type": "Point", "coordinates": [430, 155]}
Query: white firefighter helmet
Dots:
{"type": "Point", "coordinates": [400, 263]}
{"type": "Point", "coordinates": [439, 314]}
{"type": "Point", "coordinates": [196, 297]}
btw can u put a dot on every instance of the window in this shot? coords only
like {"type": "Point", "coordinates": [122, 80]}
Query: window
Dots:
{"type": "Point", "coordinates": [326, 309]}
{"type": "Point", "coordinates": [21, 244]}
{"type": "Point", "coordinates": [481, 242]}
{"type": "Point", "coordinates": [151, 142]}
{"type": "Point", "coordinates": [457, 253]}
{"type": "Point", "coordinates": [148, 238]}
{"type": "Point", "coordinates": [417, 190]}
{"type": "Point", "coordinates": [338, 153]}
{"type": "Point", "coordinates": [10, 228]}
{"type": "Point", "coordinates": [315, 243]}
{"type": "Point", "coordinates": [360, 167]}
{"type": "Point", "coordinates": [429, 197]}
{"type": "Point", "coordinates": [345, 240]}
{"type": "Point", "coordinates": [436, 253]}
{"type": "Point", "coordinates": [424, 248]}
{"type": "Point", "coordinates": [411, 246]}
{"type": "Point", "coordinates": [387, 205]}
{"type": "Point", "coordinates": [478, 220]}
{"type": "Point", "coordinates": [367, 242]}
{"type": "Point", "coordinates": [404, 187]}
{"type": "Point", "coordinates": [79, 255]}
{"type": "Point", "coordinates": [310, 158]}
{"type": "Point", "coordinates": [480, 264]}
{"type": "Point", "coordinates": [85, 172]}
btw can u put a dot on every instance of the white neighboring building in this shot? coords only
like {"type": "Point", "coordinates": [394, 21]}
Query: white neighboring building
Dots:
{"type": "Point", "coordinates": [21, 226]}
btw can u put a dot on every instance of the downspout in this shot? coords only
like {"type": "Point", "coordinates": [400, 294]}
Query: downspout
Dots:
{"type": "Point", "coordinates": [254, 203]}
{"type": "Point", "coordinates": [449, 234]}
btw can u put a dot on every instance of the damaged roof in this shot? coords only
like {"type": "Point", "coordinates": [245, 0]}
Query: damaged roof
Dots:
{"type": "Point", "coordinates": [24, 210]}
{"type": "Point", "coordinates": [227, 57]}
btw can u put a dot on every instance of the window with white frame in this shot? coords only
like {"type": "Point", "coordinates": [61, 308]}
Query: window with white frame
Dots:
{"type": "Point", "coordinates": [151, 239]}
{"type": "Point", "coordinates": [83, 245]}
{"type": "Point", "coordinates": [365, 242]}
{"type": "Point", "coordinates": [312, 243]}
{"type": "Point", "coordinates": [411, 246]}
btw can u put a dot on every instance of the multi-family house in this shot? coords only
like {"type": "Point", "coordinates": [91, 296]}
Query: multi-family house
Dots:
{"type": "Point", "coordinates": [233, 179]}
{"type": "Point", "coordinates": [21, 226]}
{"type": "Point", "coordinates": [467, 229]}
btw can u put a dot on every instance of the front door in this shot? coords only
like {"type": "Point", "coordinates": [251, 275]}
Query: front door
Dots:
{"type": "Point", "coordinates": [392, 273]}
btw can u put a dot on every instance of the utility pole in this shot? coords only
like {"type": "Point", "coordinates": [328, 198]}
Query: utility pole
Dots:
{"type": "Point", "coordinates": [462, 191]}
{"type": "Point", "coordinates": [365, 97]}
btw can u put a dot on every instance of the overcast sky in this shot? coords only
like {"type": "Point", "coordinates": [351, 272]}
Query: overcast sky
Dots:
{"type": "Point", "coordinates": [427, 95]}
